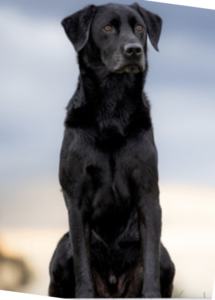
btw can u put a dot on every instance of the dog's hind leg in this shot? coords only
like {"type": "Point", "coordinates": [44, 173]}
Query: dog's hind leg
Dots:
{"type": "Point", "coordinates": [167, 272]}
{"type": "Point", "coordinates": [61, 270]}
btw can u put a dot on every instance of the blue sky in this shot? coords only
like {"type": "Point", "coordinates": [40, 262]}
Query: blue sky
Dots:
{"type": "Point", "coordinates": [39, 73]}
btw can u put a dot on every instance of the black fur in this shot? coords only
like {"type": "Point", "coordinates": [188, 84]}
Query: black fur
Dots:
{"type": "Point", "coordinates": [108, 164]}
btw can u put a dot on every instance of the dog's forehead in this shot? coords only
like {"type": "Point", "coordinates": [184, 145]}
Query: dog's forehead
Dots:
{"type": "Point", "coordinates": [115, 11]}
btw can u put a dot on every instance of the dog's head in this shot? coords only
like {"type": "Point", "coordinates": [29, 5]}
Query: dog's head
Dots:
{"type": "Point", "coordinates": [118, 32]}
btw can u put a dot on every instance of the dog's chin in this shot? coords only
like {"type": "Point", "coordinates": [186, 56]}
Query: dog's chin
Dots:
{"type": "Point", "coordinates": [134, 69]}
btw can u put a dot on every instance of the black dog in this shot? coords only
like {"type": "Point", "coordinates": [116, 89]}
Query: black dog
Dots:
{"type": "Point", "coordinates": [108, 165]}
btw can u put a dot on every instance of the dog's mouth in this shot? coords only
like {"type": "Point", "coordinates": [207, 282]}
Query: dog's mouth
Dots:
{"type": "Point", "coordinates": [133, 68]}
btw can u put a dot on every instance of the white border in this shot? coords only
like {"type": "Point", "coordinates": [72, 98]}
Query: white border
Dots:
{"type": "Point", "coordinates": [213, 295]}
{"type": "Point", "coordinates": [209, 4]}
{"type": "Point", "coordinates": [5, 295]}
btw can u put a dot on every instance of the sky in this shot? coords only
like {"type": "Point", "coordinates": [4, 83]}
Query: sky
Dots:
{"type": "Point", "coordinates": [38, 75]}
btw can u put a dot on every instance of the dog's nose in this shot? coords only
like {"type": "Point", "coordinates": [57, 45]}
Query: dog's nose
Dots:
{"type": "Point", "coordinates": [133, 49]}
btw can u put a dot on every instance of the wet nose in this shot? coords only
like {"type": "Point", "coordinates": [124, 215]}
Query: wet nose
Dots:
{"type": "Point", "coordinates": [133, 49]}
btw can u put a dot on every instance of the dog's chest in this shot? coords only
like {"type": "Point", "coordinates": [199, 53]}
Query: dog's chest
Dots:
{"type": "Point", "coordinates": [112, 202]}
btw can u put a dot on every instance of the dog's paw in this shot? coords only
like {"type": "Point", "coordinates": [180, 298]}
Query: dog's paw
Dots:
{"type": "Point", "coordinates": [153, 293]}
{"type": "Point", "coordinates": [84, 293]}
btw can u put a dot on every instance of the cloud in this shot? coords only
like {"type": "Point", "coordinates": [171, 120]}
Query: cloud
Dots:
{"type": "Point", "coordinates": [38, 76]}
{"type": "Point", "coordinates": [31, 48]}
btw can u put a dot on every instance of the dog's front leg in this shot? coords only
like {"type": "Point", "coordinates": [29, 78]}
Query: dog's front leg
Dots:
{"type": "Point", "coordinates": [150, 231]}
{"type": "Point", "coordinates": [79, 237]}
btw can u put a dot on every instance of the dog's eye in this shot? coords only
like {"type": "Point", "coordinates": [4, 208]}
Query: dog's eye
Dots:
{"type": "Point", "coordinates": [107, 28]}
{"type": "Point", "coordinates": [139, 28]}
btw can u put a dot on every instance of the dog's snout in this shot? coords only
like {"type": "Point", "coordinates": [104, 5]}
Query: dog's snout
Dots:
{"type": "Point", "coordinates": [133, 49]}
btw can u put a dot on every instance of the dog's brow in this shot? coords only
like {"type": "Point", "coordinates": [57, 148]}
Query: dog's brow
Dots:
{"type": "Point", "coordinates": [116, 22]}
{"type": "Point", "coordinates": [133, 20]}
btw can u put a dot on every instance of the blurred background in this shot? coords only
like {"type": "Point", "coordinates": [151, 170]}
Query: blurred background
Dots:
{"type": "Point", "coordinates": [38, 75]}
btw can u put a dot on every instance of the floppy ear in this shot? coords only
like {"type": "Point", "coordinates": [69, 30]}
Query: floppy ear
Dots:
{"type": "Point", "coordinates": [153, 23]}
{"type": "Point", "coordinates": [77, 26]}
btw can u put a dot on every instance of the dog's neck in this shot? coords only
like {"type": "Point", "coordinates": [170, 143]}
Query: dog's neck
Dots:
{"type": "Point", "coordinates": [108, 102]}
{"type": "Point", "coordinates": [98, 82]}
{"type": "Point", "coordinates": [112, 94]}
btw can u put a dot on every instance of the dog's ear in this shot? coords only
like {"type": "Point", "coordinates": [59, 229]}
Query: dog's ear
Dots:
{"type": "Point", "coordinates": [153, 23]}
{"type": "Point", "coordinates": [77, 26]}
